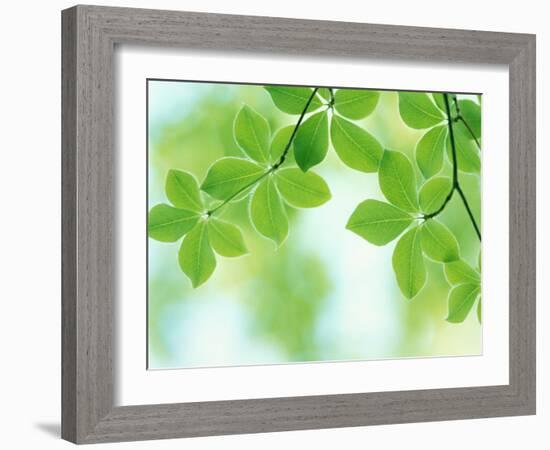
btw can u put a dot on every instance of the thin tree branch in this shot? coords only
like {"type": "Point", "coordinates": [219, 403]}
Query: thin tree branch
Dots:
{"type": "Point", "coordinates": [455, 182]}
{"type": "Point", "coordinates": [443, 205]}
{"type": "Point", "coordinates": [289, 143]}
{"type": "Point", "coordinates": [473, 220]}
{"type": "Point", "coordinates": [461, 118]}
{"type": "Point", "coordinates": [240, 191]}
{"type": "Point", "coordinates": [276, 165]}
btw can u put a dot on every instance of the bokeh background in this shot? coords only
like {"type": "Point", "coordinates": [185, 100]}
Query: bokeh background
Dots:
{"type": "Point", "coordinates": [325, 294]}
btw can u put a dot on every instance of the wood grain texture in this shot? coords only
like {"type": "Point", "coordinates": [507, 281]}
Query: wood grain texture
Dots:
{"type": "Point", "coordinates": [68, 225]}
{"type": "Point", "coordinates": [90, 34]}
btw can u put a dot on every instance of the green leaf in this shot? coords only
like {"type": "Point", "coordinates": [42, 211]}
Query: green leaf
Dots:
{"type": "Point", "coordinates": [324, 93]}
{"type": "Point", "coordinates": [279, 143]}
{"type": "Point", "coordinates": [461, 300]}
{"type": "Point", "coordinates": [355, 103]}
{"type": "Point", "coordinates": [226, 239]}
{"type": "Point", "coordinates": [378, 222]}
{"type": "Point", "coordinates": [438, 242]}
{"type": "Point", "coordinates": [459, 272]}
{"type": "Point", "coordinates": [430, 150]}
{"type": "Point", "coordinates": [355, 147]}
{"type": "Point", "coordinates": [227, 176]}
{"type": "Point", "coordinates": [268, 212]}
{"type": "Point", "coordinates": [418, 110]}
{"type": "Point", "coordinates": [471, 112]}
{"type": "Point", "coordinates": [311, 141]}
{"type": "Point", "coordinates": [408, 263]}
{"type": "Point", "coordinates": [433, 193]}
{"type": "Point", "coordinates": [182, 189]}
{"type": "Point", "coordinates": [439, 100]}
{"type": "Point", "coordinates": [467, 153]}
{"type": "Point", "coordinates": [168, 224]}
{"type": "Point", "coordinates": [196, 258]}
{"type": "Point", "coordinates": [292, 100]}
{"type": "Point", "coordinates": [397, 182]}
{"type": "Point", "coordinates": [302, 190]}
{"type": "Point", "coordinates": [252, 134]}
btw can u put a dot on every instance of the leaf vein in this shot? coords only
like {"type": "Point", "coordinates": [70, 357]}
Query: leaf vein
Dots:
{"type": "Point", "coordinates": [193, 201]}
{"type": "Point", "coordinates": [418, 108]}
{"type": "Point", "coordinates": [354, 142]}
{"type": "Point", "coordinates": [171, 222]}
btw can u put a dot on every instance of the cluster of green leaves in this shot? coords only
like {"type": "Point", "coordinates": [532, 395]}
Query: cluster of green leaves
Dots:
{"type": "Point", "coordinates": [418, 111]}
{"type": "Point", "coordinates": [266, 175]}
{"type": "Point", "coordinates": [261, 174]}
{"type": "Point", "coordinates": [410, 213]}
{"type": "Point", "coordinates": [331, 116]}
{"type": "Point", "coordinates": [466, 288]}
{"type": "Point", "coordinates": [202, 235]}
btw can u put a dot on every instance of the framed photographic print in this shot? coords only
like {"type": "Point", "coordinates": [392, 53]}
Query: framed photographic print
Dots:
{"type": "Point", "coordinates": [268, 230]}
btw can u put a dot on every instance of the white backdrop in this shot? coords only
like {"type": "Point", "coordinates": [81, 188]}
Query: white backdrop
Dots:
{"type": "Point", "coordinates": [30, 231]}
{"type": "Point", "coordinates": [134, 385]}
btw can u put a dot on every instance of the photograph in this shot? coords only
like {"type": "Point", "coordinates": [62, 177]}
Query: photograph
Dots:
{"type": "Point", "coordinates": [293, 224]}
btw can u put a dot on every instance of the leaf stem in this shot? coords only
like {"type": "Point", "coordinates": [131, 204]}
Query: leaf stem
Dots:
{"type": "Point", "coordinates": [289, 143]}
{"type": "Point", "coordinates": [452, 139]}
{"type": "Point", "coordinates": [461, 118]}
{"type": "Point", "coordinates": [443, 205]}
{"type": "Point", "coordinates": [276, 165]}
{"type": "Point", "coordinates": [469, 210]}
{"type": "Point", "coordinates": [240, 191]}
{"type": "Point", "coordinates": [455, 183]}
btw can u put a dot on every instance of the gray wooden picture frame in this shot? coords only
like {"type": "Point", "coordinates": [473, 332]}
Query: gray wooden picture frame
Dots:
{"type": "Point", "coordinates": [90, 34]}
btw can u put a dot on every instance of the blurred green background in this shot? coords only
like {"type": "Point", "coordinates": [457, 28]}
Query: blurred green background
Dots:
{"type": "Point", "coordinates": [325, 294]}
